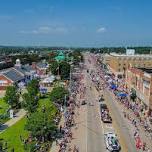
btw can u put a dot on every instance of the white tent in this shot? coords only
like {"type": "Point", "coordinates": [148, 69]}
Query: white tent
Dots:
{"type": "Point", "coordinates": [49, 79]}
{"type": "Point", "coordinates": [46, 82]}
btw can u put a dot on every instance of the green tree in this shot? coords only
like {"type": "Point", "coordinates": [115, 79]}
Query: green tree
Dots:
{"type": "Point", "coordinates": [51, 56]}
{"type": "Point", "coordinates": [40, 125]}
{"type": "Point", "coordinates": [54, 67]}
{"type": "Point", "coordinates": [30, 103]}
{"type": "Point", "coordinates": [133, 95]}
{"type": "Point", "coordinates": [77, 56]}
{"type": "Point", "coordinates": [58, 94]}
{"type": "Point", "coordinates": [33, 87]}
{"type": "Point", "coordinates": [64, 70]}
{"type": "Point", "coordinates": [12, 96]}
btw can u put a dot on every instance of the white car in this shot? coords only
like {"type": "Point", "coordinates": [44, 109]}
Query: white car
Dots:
{"type": "Point", "coordinates": [111, 141]}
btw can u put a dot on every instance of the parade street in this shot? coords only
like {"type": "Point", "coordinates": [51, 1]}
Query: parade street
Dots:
{"type": "Point", "coordinates": [89, 135]}
{"type": "Point", "coordinates": [89, 132]}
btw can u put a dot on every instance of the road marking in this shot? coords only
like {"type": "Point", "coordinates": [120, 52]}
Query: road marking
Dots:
{"type": "Point", "coordinates": [86, 124]}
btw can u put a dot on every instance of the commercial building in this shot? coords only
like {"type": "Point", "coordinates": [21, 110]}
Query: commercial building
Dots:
{"type": "Point", "coordinates": [119, 63]}
{"type": "Point", "coordinates": [140, 79]}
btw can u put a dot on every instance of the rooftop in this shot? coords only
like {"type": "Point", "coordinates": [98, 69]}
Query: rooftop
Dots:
{"type": "Point", "coordinates": [24, 68]}
{"type": "Point", "coordinates": [136, 55]}
{"type": "Point", "coordinates": [13, 75]}
{"type": "Point", "coordinates": [42, 65]}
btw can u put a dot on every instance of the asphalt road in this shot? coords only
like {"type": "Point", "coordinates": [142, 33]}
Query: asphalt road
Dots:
{"type": "Point", "coordinates": [120, 125]}
{"type": "Point", "coordinates": [95, 132]}
{"type": "Point", "coordinates": [94, 129]}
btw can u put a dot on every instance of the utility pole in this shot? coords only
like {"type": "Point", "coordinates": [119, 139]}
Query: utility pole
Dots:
{"type": "Point", "coordinates": [65, 102]}
{"type": "Point", "coordinates": [70, 78]}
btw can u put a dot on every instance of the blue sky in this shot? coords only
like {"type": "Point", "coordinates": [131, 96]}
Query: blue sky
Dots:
{"type": "Point", "coordinates": [84, 23]}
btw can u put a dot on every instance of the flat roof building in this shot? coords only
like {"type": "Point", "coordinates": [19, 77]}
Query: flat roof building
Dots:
{"type": "Point", "coordinates": [119, 63]}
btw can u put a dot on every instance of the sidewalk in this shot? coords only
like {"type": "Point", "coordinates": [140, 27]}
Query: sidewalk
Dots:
{"type": "Point", "coordinates": [11, 122]}
{"type": "Point", "coordinates": [54, 147]}
{"type": "Point", "coordinates": [78, 131]}
{"type": "Point", "coordinates": [142, 133]}
{"type": "Point", "coordinates": [2, 94]}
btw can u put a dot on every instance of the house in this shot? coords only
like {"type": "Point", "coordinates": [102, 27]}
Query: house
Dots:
{"type": "Point", "coordinates": [26, 70]}
{"type": "Point", "coordinates": [19, 74]}
{"type": "Point", "coordinates": [10, 77]}
{"type": "Point", "coordinates": [40, 68]}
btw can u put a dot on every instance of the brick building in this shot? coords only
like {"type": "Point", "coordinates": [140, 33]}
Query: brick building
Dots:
{"type": "Point", "coordinates": [119, 63]}
{"type": "Point", "coordinates": [41, 68]}
{"type": "Point", "coordinates": [16, 75]}
{"type": "Point", "coordinates": [10, 77]}
{"type": "Point", "coordinates": [21, 74]}
{"type": "Point", "coordinates": [140, 79]}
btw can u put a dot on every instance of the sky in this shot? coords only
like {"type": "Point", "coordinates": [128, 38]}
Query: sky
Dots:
{"type": "Point", "coordinates": [76, 23]}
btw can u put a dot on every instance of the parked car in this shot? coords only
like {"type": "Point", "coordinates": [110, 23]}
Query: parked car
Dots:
{"type": "Point", "coordinates": [112, 143]}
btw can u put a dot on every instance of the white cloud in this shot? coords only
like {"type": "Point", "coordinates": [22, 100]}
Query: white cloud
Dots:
{"type": "Point", "coordinates": [46, 30]}
{"type": "Point", "coordinates": [101, 30]}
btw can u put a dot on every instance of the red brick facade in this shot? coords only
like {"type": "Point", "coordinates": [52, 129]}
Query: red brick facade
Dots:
{"type": "Point", "coordinates": [4, 82]}
{"type": "Point", "coordinates": [142, 83]}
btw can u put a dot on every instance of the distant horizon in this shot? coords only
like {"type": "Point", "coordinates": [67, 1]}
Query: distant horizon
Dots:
{"type": "Point", "coordinates": [68, 47]}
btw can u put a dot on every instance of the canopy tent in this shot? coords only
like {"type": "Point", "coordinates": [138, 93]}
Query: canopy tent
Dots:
{"type": "Point", "coordinates": [113, 86]}
{"type": "Point", "coordinates": [122, 94]}
{"type": "Point", "coordinates": [47, 81]}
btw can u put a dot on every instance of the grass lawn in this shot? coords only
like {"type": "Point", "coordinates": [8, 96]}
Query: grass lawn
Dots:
{"type": "Point", "coordinates": [12, 136]}
{"type": "Point", "coordinates": [45, 102]}
{"type": "Point", "coordinates": [3, 106]}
